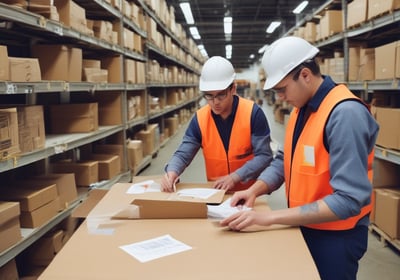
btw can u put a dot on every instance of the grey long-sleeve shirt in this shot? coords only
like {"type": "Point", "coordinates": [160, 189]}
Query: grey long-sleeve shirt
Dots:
{"type": "Point", "coordinates": [350, 135]}
{"type": "Point", "coordinates": [260, 140]}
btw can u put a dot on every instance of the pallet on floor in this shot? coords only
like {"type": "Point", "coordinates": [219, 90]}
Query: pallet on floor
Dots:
{"type": "Point", "coordinates": [384, 238]}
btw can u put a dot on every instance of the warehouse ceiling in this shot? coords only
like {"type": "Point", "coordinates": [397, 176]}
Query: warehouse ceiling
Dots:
{"type": "Point", "coordinates": [250, 21]}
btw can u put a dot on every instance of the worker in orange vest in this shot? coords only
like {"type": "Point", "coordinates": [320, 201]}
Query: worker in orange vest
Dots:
{"type": "Point", "coordinates": [232, 132]}
{"type": "Point", "coordinates": [326, 163]}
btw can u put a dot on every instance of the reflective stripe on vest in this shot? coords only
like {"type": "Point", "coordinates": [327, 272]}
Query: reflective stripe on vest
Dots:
{"type": "Point", "coordinates": [307, 174]}
{"type": "Point", "coordinates": [218, 162]}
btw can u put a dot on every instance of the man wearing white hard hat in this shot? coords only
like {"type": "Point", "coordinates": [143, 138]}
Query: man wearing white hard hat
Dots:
{"type": "Point", "coordinates": [232, 132]}
{"type": "Point", "coordinates": [326, 162]}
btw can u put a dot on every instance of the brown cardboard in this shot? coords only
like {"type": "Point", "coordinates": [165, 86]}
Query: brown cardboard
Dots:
{"type": "Point", "coordinates": [30, 197]}
{"type": "Point", "coordinates": [4, 68]}
{"type": "Point", "coordinates": [110, 108]}
{"type": "Point", "coordinates": [357, 12]}
{"type": "Point", "coordinates": [73, 118]}
{"type": "Point", "coordinates": [385, 61]}
{"type": "Point", "coordinates": [9, 141]}
{"type": "Point", "coordinates": [114, 66]}
{"type": "Point", "coordinates": [31, 128]}
{"type": "Point", "coordinates": [331, 23]}
{"type": "Point", "coordinates": [386, 173]}
{"type": "Point", "coordinates": [389, 121]}
{"type": "Point", "coordinates": [387, 211]}
{"type": "Point", "coordinates": [135, 153]}
{"type": "Point", "coordinates": [39, 216]}
{"type": "Point", "coordinates": [24, 69]}
{"type": "Point", "coordinates": [210, 245]}
{"type": "Point", "coordinates": [367, 64]}
{"type": "Point", "coordinates": [59, 62]}
{"type": "Point", "coordinates": [66, 186]}
{"type": "Point", "coordinates": [42, 252]}
{"type": "Point", "coordinates": [71, 14]}
{"type": "Point", "coordinates": [10, 230]}
{"type": "Point", "coordinates": [9, 271]}
{"type": "Point", "coordinates": [109, 165]}
{"type": "Point", "coordinates": [86, 172]}
{"type": "Point", "coordinates": [112, 149]}
{"type": "Point", "coordinates": [379, 7]}
{"type": "Point", "coordinates": [83, 210]}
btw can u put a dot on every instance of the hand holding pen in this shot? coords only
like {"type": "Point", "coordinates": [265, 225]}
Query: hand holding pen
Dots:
{"type": "Point", "coordinates": [169, 181]}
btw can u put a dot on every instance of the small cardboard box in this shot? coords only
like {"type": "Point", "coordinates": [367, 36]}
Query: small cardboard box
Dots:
{"type": "Point", "coordinates": [380, 7]}
{"type": "Point", "coordinates": [112, 149]}
{"type": "Point", "coordinates": [10, 230]}
{"type": "Point", "coordinates": [71, 14]}
{"type": "Point", "coordinates": [86, 172]}
{"type": "Point", "coordinates": [31, 128]}
{"type": "Point", "coordinates": [24, 69]}
{"type": "Point", "coordinates": [114, 66]}
{"type": "Point", "coordinates": [135, 153]}
{"type": "Point", "coordinates": [9, 271]}
{"type": "Point", "coordinates": [110, 108]}
{"type": "Point", "coordinates": [73, 118]}
{"type": "Point", "coordinates": [389, 122]}
{"type": "Point", "coordinates": [43, 251]}
{"type": "Point", "coordinates": [331, 23]}
{"type": "Point", "coordinates": [94, 196]}
{"type": "Point", "coordinates": [39, 216]}
{"type": "Point", "coordinates": [172, 123]}
{"type": "Point", "coordinates": [9, 141]}
{"type": "Point", "coordinates": [387, 211]}
{"type": "Point", "coordinates": [109, 165]}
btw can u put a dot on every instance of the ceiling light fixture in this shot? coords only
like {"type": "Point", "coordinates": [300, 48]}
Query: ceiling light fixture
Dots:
{"type": "Point", "coordinates": [202, 50]}
{"type": "Point", "coordinates": [300, 7]}
{"type": "Point", "coordinates": [228, 25]}
{"type": "Point", "coordinates": [273, 25]}
{"type": "Point", "coordinates": [195, 33]}
{"type": "Point", "coordinates": [228, 51]}
{"type": "Point", "coordinates": [187, 12]}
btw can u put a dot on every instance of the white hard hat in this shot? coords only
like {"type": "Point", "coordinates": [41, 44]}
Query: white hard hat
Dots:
{"type": "Point", "coordinates": [217, 74]}
{"type": "Point", "coordinates": [283, 55]}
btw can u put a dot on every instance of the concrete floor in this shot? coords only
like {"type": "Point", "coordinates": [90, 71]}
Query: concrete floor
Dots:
{"type": "Point", "coordinates": [381, 260]}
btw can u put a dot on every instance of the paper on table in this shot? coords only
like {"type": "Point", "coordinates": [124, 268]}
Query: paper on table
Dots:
{"type": "Point", "coordinates": [202, 193]}
{"type": "Point", "coordinates": [224, 210]}
{"type": "Point", "coordinates": [144, 186]}
{"type": "Point", "coordinates": [155, 248]}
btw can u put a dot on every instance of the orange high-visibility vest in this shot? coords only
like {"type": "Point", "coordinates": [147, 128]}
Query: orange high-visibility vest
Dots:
{"type": "Point", "coordinates": [218, 162]}
{"type": "Point", "coordinates": [307, 173]}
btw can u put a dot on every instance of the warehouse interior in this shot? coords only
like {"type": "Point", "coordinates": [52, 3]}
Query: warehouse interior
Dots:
{"type": "Point", "coordinates": [96, 96]}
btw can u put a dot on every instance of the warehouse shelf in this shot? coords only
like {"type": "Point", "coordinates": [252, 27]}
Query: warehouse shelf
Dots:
{"type": "Point", "coordinates": [32, 235]}
{"type": "Point", "coordinates": [169, 109]}
{"type": "Point", "coordinates": [56, 144]}
{"type": "Point", "coordinates": [375, 85]}
{"type": "Point", "coordinates": [387, 154]}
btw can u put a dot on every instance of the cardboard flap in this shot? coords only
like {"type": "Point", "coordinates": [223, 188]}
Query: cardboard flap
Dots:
{"type": "Point", "coordinates": [162, 209]}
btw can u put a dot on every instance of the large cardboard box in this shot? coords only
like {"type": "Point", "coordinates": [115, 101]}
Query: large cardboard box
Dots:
{"type": "Point", "coordinates": [59, 62]}
{"type": "Point", "coordinates": [9, 140]}
{"type": "Point", "coordinates": [354, 63]}
{"type": "Point", "coordinates": [389, 123]}
{"type": "Point", "coordinates": [4, 67]}
{"type": "Point", "coordinates": [31, 128]}
{"type": "Point", "coordinates": [172, 123]}
{"type": "Point", "coordinates": [73, 118]}
{"type": "Point", "coordinates": [114, 66]}
{"type": "Point", "coordinates": [24, 69]}
{"type": "Point", "coordinates": [385, 61]}
{"type": "Point", "coordinates": [387, 211]}
{"type": "Point", "coordinates": [86, 172]}
{"type": "Point", "coordinates": [357, 12]}
{"type": "Point", "coordinates": [367, 65]}
{"type": "Point", "coordinates": [380, 7]}
{"type": "Point", "coordinates": [10, 230]}
{"type": "Point", "coordinates": [110, 108]}
{"type": "Point", "coordinates": [66, 186]}
{"type": "Point", "coordinates": [39, 216]}
{"type": "Point", "coordinates": [112, 149]}
{"type": "Point", "coordinates": [331, 23]}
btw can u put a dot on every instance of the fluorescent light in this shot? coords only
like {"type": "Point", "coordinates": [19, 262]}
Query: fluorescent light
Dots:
{"type": "Point", "coordinates": [187, 12]}
{"type": "Point", "coordinates": [262, 49]}
{"type": "Point", "coordinates": [273, 25]}
{"type": "Point", "coordinates": [195, 33]}
{"type": "Point", "coordinates": [228, 25]}
{"type": "Point", "coordinates": [300, 7]}
{"type": "Point", "coordinates": [228, 51]}
{"type": "Point", "coordinates": [202, 50]}
{"type": "Point", "coordinates": [252, 56]}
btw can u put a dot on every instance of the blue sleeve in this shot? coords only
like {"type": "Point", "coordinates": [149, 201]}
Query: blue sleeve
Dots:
{"type": "Point", "coordinates": [260, 140]}
{"type": "Point", "coordinates": [188, 148]}
{"type": "Point", "coordinates": [273, 175]}
{"type": "Point", "coordinates": [350, 134]}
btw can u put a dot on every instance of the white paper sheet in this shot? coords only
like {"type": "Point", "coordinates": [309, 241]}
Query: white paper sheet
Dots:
{"type": "Point", "coordinates": [224, 210]}
{"type": "Point", "coordinates": [155, 248]}
{"type": "Point", "coordinates": [144, 186]}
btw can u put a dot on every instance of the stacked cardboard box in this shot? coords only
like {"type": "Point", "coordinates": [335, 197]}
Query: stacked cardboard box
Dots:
{"type": "Point", "coordinates": [10, 229]}
{"type": "Point", "coordinates": [9, 143]}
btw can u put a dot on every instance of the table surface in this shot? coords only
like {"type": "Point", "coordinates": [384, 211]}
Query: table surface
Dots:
{"type": "Point", "coordinates": [216, 253]}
